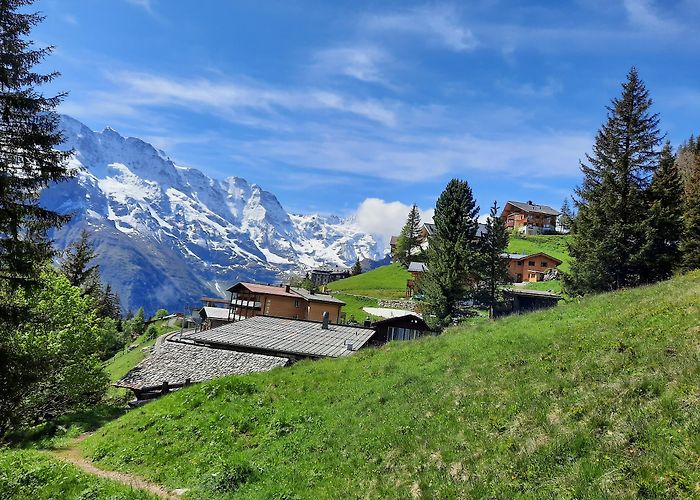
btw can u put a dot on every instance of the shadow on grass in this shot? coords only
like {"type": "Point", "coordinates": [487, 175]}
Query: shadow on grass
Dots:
{"type": "Point", "coordinates": [56, 433]}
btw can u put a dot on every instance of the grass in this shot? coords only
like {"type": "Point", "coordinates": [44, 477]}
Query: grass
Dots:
{"type": "Point", "coordinates": [30, 474]}
{"type": "Point", "coordinates": [120, 364]}
{"type": "Point", "coordinates": [386, 282]}
{"type": "Point", "coordinates": [597, 397]}
{"type": "Point", "coordinates": [554, 245]}
{"type": "Point", "coordinates": [551, 286]}
{"type": "Point", "coordinates": [354, 304]}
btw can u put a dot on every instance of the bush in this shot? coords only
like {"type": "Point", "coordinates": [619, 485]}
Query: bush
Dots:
{"type": "Point", "coordinates": [51, 358]}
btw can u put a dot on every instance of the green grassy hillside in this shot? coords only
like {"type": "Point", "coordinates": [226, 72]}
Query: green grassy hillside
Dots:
{"type": "Point", "coordinates": [386, 282]}
{"type": "Point", "coordinates": [34, 475]}
{"type": "Point", "coordinates": [593, 398]}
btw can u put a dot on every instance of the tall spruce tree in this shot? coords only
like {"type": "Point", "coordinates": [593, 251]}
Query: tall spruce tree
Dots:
{"type": "Point", "coordinates": [408, 242]}
{"type": "Point", "coordinates": [566, 216]}
{"type": "Point", "coordinates": [494, 266]}
{"type": "Point", "coordinates": [356, 268]}
{"type": "Point", "coordinates": [609, 236]}
{"type": "Point", "coordinates": [77, 266]}
{"type": "Point", "coordinates": [690, 244]}
{"type": "Point", "coordinates": [452, 253]}
{"type": "Point", "coordinates": [665, 218]}
{"type": "Point", "coordinates": [29, 160]}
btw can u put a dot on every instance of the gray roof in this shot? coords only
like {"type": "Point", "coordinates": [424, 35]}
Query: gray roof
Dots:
{"type": "Point", "coordinates": [286, 336]}
{"type": "Point", "coordinates": [532, 293]}
{"type": "Point", "coordinates": [214, 312]}
{"type": "Point", "coordinates": [429, 228]}
{"type": "Point", "coordinates": [417, 267]}
{"type": "Point", "coordinates": [176, 362]}
{"type": "Point", "coordinates": [532, 207]}
{"type": "Point", "coordinates": [317, 297]}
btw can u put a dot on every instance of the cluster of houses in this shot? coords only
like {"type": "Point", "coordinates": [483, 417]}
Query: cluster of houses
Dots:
{"type": "Point", "coordinates": [260, 326]}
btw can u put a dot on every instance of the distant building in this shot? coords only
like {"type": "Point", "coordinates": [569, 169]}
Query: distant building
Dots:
{"type": "Point", "coordinates": [214, 316]}
{"type": "Point", "coordinates": [523, 301]}
{"type": "Point", "coordinates": [532, 267]}
{"type": "Point", "coordinates": [214, 302]}
{"type": "Point", "coordinates": [406, 327]}
{"type": "Point", "coordinates": [284, 301]}
{"type": "Point", "coordinates": [417, 269]}
{"type": "Point", "coordinates": [323, 275]}
{"type": "Point", "coordinates": [529, 218]}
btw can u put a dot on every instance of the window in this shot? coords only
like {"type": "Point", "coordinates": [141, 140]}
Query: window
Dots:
{"type": "Point", "coordinates": [396, 333]}
{"type": "Point", "coordinates": [531, 263]}
{"type": "Point", "coordinates": [520, 262]}
{"type": "Point", "coordinates": [296, 303]}
{"type": "Point", "coordinates": [543, 264]}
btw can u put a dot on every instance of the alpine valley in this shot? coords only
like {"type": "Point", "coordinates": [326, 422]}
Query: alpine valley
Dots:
{"type": "Point", "coordinates": [167, 234]}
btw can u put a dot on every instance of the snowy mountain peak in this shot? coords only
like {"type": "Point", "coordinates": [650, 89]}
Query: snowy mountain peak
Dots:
{"type": "Point", "coordinates": [167, 232]}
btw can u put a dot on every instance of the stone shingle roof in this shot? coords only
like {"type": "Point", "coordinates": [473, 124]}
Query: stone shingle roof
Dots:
{"type": "Point", "coordinates": [175, 362]}
{"type": "Point", "coordinates": [286, 337]}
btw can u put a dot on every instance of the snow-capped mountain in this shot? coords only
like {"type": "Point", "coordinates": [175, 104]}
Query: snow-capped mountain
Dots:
{"type": "Point", "coordinates": [166, 234]}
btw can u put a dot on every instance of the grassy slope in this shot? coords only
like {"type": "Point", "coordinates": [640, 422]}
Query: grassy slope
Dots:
{"type": "Point", "coordinates": [354, 304]}
{"type": "Point", "coordinates": [120, 364]}
{"type": "Point", "coordinates": [386, 282]}
{"type": "Point", "coordinates": [593, 398]}
{"type": "Point", "coordinates": [34, 475]}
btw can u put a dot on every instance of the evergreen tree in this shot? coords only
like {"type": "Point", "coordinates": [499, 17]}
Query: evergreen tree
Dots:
{"type": "Point", "coordinates": [408, 240]}
{"type": "Point", "coordinates": [107, 303]}
{"type": "Point", "coordinates": [690, 244]}
{"type": "Point", "coordinates": [665, 218]}
{"type": "Point", "coordinates": [137, 324]}
{"type": "Point", "coordinates": [76, 265]}
{"type": "Point", "coordinates": [356, 268]}
{"type": "Point", "coordinates": [686, 157]}
{"type": "Point", "coordinates": [566, 217]}
{"type": "Point", "coordinates": [494, 266]}
{"type": "Point", "coordinates": [29, 160]}
{"type": "Point", "coordinates": [451, 253]}
{"type": "Point", "coordinates": [608, 244]}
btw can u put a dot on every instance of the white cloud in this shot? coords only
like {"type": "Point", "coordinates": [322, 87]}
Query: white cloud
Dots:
{"type": "Point", "coordinates": [385, 219]}
{"type": "Point", "coordinates": [228, 96]}
{"type": "Point", "coordinates": [70, 19]}
{"type": "Point", "coordinates": [437, 24]}
{"type": "Point", "coordinates": [364, 63]}
{"type": "Point", "coordinates": [641, 13]}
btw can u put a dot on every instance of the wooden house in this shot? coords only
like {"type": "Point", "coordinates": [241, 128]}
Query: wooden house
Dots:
{"type": "Point", "coordinates": [406, 327]}
{"type": "Point", "coordinates": [532, 267]}
{"type": "Point", "coordinates": [284, 301]}
{"type": "Point", "coordinates": [523, 301]}
{"type": "Point", "coordinates": [529, 218]}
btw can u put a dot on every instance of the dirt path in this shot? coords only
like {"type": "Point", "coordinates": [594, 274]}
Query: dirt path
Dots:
{"type": "Point", "coordinates": [72, 455]}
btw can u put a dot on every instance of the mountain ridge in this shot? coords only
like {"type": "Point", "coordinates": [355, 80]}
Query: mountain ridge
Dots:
{"type": "Point", "coordinates": [166, 233]}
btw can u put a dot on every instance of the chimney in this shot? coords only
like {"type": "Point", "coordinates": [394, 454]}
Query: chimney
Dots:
{"type": "Point", "coordinates": [349, 346]}
{"type": "Point", "coordinates": [326, 320]}
{"type": "Point", "coordinates": [368, 323]}
{"type": "Point", "coordinates": [286, 288]}
{"type": "Point", "coordinates": [529, 202]}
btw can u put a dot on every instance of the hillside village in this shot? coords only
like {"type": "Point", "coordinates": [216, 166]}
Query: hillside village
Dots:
{"type": "Point", "coordinates": [311, 323]}
{"type": "Point", "coordinates": [499, 350]}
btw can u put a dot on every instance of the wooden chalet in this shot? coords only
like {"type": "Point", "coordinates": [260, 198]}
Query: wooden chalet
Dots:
{"type": "Point", "coordinates": [519, 301]}
{"type": "Point", "coordinates": [530, 267]}
{"type": "Point", "coordinates": [406, 327]}
{"type": "Point", "coordinates": [529, 218]}
{"type": "Point", "coordinates": [284, 301]}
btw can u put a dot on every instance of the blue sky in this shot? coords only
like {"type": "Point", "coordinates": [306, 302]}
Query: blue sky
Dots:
{"type": "Point", "coordinates": [328, 104]}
